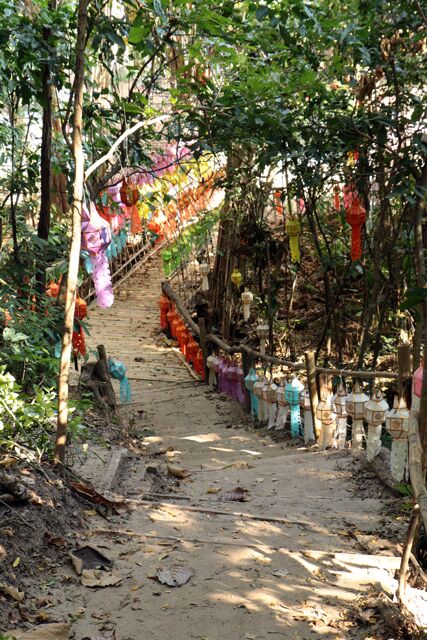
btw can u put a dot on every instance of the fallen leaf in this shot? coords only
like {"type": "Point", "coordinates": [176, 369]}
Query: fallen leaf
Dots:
{"type": "Point", "coordinates": [175, 576]}
{"type": "Point", "coordinates": [95, 578]}
{"type": "Point", "coordinates": [236, 495]}
{"type": "Point", "coordinates": [90, 494]}
{"type": "Point", "coordinates": [178, 473]}
{"type": "Point", "coordinates": [55, 631]}
{"type": "Point", "coordinates": [12, 592]}
{"type": "Point", "coordinates": [213, 490]}
{"type": "Point", "coordinates": [16, 562]}
{"type": "Point", "coordinates": [240, 464]}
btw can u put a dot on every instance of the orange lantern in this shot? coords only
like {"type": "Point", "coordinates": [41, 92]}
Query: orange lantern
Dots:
{"type": "Point", "coordinates": [192, 348]}
{"type": "Point", "coordinates": [80, 310]}
{"type": "Point", "coordinates": [278, 202]}
{"type": "Point", "coordinates": [179, 331]}
{"type": "Point", "coordinates": [185, 339]}
{"type": "Point", "coordinates": [174, 324]}
{"type": "Point", "coordinates": [199, 364]}
{"type": "Point", "coordinates": [164, 308]}
{"type": "Point", "coordinates": [129, 193]}
{"type": "Point", "coordinates": [337, 205]}
{"type": "Point", "coordinates": [356, 218]}
{"type": "Point", "coordinates": [79, 345]}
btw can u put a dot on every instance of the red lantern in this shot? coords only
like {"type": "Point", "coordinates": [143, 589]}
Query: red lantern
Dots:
{"type": "Point", "coordinates": [337, 205]}
{"type": "Point", "coordinates": [278, 202]}
{"type": "Point", "coordinates": [79, 345]}
{"type": "Point", "coordinates": [192, 348]}
{"type": "Point", "coordinates": [185, 339]}
{"type": "Point", "coordinates": [164, 308]}
{"type": "Point", "coordinates": [199, 365]}
{"type": "Point", "coordinates": [129, 193]}
{"type": "Point", "coordinates": [356, 217]}
{"type": "Point", "coordinates": [80, 310]}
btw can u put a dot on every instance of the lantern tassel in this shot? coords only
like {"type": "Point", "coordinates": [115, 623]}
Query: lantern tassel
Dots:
{"type": "Point", "coordinates": [295, 420]}
{"type": "Point", "coordinates": [102, 280]}
{"type": "Point", "coordinates": [356, 242]}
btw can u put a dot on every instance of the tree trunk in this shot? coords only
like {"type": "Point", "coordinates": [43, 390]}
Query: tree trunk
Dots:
{"type": "Point", "coordinates": [420, 265]}
{"type": "Point", "coordinates": [74, 258]}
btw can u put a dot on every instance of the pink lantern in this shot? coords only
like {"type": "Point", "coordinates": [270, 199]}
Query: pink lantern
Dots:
{"type": "Point", "coordinates": [96, 232]}
{"type": "Point", "coordinates": [96, 236]}
{"type": "Point", "coordinates": [418, 380]}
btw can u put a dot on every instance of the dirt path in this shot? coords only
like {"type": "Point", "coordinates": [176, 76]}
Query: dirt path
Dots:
{"type": "Point", "coordinates": [290, 577]}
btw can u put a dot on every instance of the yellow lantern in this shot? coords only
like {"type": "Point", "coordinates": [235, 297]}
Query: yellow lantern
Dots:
{"type": "Point", "coordinates": [293, 229]}
{"type": "Point", "coordinates": [236, 278]}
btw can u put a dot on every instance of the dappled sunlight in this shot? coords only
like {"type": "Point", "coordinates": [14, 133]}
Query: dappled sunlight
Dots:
{"type": "Point", "coordinates": [206, 437]}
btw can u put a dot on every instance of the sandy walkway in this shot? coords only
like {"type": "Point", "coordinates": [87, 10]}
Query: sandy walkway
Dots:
{"type": "Point", "coordinates": [252, 578]}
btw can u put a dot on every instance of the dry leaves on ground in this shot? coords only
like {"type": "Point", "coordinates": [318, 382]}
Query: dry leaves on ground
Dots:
{"type": "Point", "coordinates": [175, 576]}
{"type": "Point", "coordinates": [178, 473]}
{"type": "Point", "coordinates": [93, 578]}
{"type": "Point", "coordinates": [12, 591]}
{"type": "Point", "coordinates": [90, 494]}
{"type": "Point", "coordinates": [235, 495]}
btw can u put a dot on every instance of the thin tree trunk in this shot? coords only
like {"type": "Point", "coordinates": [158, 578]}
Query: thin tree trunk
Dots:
{"type": "Point", "coordinates": [46, 147]}
{"type": "Point", "coordinates": [13, 202]}
{"type": "Point", "coordinates": [45, 160]}
{"type": "Point", "coordinates": [420, 265]}
{"type": "Point", "coordinates": [74, 258]}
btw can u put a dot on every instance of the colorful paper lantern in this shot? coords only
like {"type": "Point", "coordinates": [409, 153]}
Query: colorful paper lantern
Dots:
{"type": "Point", "coordinates": [293, 229]}
{"type": "Point", "coordinates": [283, 406]}
{"type": "Point", "coordinates": [308, 418]}
{"type": "Point", "coordinates": [339, 406]}
{"type": "Point", "coordinates": [375, 412]}
{"type": "Point", "coordinates": [262, 332]}
{"type": "Point", "coordinates": [397, 422]}
{"type": "Point", "coordinates": [247, 299]}
{"type": "Point", "coordinates": [236, 278]}
{"type": "Point", "coordinates": [204, 272]}
{"type": "Point", "coordinates": [326, 416]}
{"type": "Point", "coordinates": [129, 193]}
{"type": "Point", "coordinates": [250, 380]}
{"type": "Point", "coordinates": [292, 394]}
{"type": "Point", "coordinates": [356, 218]}
{"type": "Point", "coordinates": [356, 409]}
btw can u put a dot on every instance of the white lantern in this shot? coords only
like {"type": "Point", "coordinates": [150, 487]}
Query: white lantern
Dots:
{"type": "Point", "coordinates": [211, 363]}
{"type": "Point", "coordinates": [396, 423]}
{"type": "Point", "coordinates": [283, 406]}
{"type": "Point", "coordinates": [262, 333]}
{"type": "Point", "coordinates": [308, 419]}
{"type": "Point", "coordinates": [247, 299]}
{"type": "Point", "coordinates": [326, 416]}
{"type": "Point", "coordinates": [355, 408]}
{"type": "Point", "coordinates": [258, 391]}
{"type": "Point", "coordinates": [339, 405]}
{"type": "Point", "coordinates": [375, 412]}
{"type": "Point", "coordinates": [204, 272]}
{"type": "Point", "coordinates": [272, 403]}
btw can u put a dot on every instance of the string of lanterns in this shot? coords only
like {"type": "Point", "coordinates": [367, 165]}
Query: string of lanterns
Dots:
{"type": "Point", "coordinates": [272, 404]}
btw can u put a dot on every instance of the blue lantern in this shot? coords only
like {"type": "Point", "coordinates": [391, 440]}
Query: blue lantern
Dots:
{"type": "Point", "coordinates": [250, 380]}
{"type": "Point", "coordinates": [292, 394]}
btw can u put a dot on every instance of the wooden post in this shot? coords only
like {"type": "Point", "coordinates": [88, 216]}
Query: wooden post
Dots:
{"type": "Point", "coordinates": [247, 363]}
{"type": "Point", "coordinates": [405, 373]}
{"type": "Point", "coordinates": [310, 364]}
{"type": "Point", "coordinates": [204, 347]}
{"type": "Point", "coordinates": [103, 374]}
